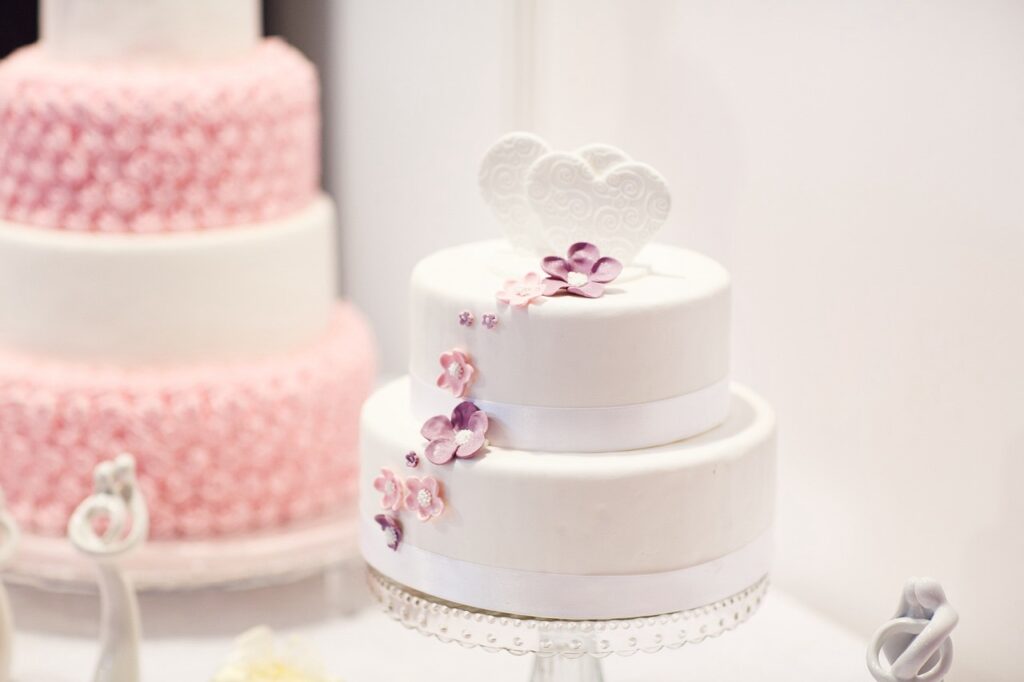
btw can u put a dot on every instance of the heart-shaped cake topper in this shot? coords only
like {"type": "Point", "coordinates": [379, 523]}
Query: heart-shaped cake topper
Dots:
{"type": "Point", "coordinates": [548, 200]}
{"type": "Point", "coordinates": [503, 186]}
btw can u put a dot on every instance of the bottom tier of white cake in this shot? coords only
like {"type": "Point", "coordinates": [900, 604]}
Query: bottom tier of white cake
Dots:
{"type": "Point", "coordinates": [571, 535]}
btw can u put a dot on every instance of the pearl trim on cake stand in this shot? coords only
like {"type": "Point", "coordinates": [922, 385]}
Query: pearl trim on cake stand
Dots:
{"type": "Point", "coordinates": [564, 649]}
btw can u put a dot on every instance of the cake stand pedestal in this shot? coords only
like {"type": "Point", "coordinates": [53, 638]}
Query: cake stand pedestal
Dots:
{"type": "Point", "coordinates": [564, 650]}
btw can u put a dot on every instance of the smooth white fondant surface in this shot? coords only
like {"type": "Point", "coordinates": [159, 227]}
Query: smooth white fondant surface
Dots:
{"type": "Point", "coordinates": [660, 331]}
{"type": "Point", "coordinates": [164, 30]}
{"type": "Point", "coordinates": [167, 298]}
{"type": "Point", "coordinates": [623, 513]}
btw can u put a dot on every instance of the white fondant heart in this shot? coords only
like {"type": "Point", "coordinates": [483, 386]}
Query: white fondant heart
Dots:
{"type": "Point", "coordinates": [595, 195]}
{"type": "Point", "coordinates": [546, 200]}
{"type": "Point", "coordinates": [601, 157]}
{"type": "Point", "coordinates": [503, 186]}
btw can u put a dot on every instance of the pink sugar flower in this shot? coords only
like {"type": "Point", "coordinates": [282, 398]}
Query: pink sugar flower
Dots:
{"type": "Point", "coordinates": [456, 372]}
{"type": "Point", "coordinates": [391, 489]}
{"type": "Point", "coordinates": [461, 436]}
{"type": "Point", "coordinates": [520, 293]}
{"type": "Point", "coordinates": [583, 273]}
{"type": "Point", "coordinates": [424, 497]}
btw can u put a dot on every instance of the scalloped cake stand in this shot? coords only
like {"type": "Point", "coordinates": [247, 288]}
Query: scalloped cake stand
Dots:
{"type": "Point", "coordinates": [237, 563]}
{"type": "Point", "coordinates": [564, 650]}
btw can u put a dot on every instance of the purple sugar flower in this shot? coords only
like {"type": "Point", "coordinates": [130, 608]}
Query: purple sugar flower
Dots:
{"type": "Point", "coordinates": [461, 436]}
{"type": "Point", "coordinates": [583, 273]}
{"type": "Point", "coordinates": [412, 460]}
{"type": "Point", "coordinates": [392, 528]}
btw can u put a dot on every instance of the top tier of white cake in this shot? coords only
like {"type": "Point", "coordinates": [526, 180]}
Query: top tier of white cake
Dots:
{"type": "Point", "coordinates": [661, 330]}
{"type": "Point", "coordinates": [149, 30]}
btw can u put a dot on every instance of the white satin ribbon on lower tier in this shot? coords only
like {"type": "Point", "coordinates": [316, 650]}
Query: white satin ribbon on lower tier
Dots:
{"type": "Point", "coordinates": [570, 597]}
{"type": "Point", "coordinates": [587, 429]}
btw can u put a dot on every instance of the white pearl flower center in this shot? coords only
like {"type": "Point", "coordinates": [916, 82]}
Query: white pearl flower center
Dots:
{"type": "Point", "coordinates": [424, 498]}
{"type": "Point", "coordinates": [577, 279]}
{"type": "Point", "coordinates": [390, 488]}
{"type": "Point", "coordinates": [454, 370]}
{"type": "Point", "coordinates": [462, 437]}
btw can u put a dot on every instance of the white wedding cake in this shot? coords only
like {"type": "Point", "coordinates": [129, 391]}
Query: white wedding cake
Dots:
{"type": "Point", "coordinates": [568, 443]}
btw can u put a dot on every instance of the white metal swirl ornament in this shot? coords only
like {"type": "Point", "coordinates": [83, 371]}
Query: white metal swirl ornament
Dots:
{"type": "Point", "coordinates": [9, 536]}
{"type": "Point", "coordinates": [547, 200]}
{"type": "Point", "coordinates": [112, 521]}
{"type": "Point", "coordinates": [915, 645]}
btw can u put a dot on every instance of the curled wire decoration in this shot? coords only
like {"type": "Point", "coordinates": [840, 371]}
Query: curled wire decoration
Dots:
{"type": "Point", "coordinates": [915, 646]}
{"type": "Point", "coordinates": [9, 533]}
{"type": "Point", "coordinates": [115, 518]}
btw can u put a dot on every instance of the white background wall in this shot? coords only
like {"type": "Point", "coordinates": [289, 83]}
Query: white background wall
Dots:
{"type": "Point", "coordinates": [859, 166]}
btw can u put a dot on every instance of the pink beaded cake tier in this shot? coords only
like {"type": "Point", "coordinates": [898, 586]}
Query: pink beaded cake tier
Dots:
{"type": "Point", "coordinates": [122, 147]}
{"type": "Point", "coordinates": [221, 450]}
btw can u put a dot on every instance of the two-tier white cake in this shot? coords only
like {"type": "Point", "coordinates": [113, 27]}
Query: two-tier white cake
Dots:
{"type": "Point", "coordinates": [567, 443]}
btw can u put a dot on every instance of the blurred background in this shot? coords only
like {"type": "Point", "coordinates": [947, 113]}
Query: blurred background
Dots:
{"type": "Point", "coordinates": [858, 166]}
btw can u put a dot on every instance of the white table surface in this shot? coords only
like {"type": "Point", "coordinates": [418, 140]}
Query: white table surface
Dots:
{"type": "Point", "coordinates": [187, 636]}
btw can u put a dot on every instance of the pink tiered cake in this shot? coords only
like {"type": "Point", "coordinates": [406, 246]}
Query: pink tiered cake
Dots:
{"type": "Point", "coordinates": [167, 273]}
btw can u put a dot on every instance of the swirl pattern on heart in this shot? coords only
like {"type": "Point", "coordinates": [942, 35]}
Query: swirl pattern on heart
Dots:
{"type": "Point", "coordinates": [503, 182]}
{"type": "Point", "coordinates": [547, 200]}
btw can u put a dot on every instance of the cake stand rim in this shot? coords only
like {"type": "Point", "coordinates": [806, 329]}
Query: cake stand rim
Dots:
{"type": "Point", "coordinates": [744, 604]}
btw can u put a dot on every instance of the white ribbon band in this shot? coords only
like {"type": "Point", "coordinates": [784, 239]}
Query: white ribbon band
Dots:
{"type": "Point", "coordinates": [571, 597]}
{"type": "Point", "coordinates": [588, 429]}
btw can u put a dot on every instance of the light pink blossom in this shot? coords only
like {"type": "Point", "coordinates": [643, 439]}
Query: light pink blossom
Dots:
{"type": "Point", "coordinates": [456, 372]}
{"type": "Point", "coordinates": [520, 293]}
{"type": "Point", "coordinates": [423, 496]}
{"type": "Point", "coordinates": [391, 489]}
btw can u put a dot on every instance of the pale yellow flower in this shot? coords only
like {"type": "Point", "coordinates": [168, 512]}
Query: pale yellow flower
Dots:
{"type": "Point", "coordinates": [258, 658]}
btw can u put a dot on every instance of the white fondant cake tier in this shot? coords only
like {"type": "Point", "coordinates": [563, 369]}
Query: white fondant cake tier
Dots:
{"type": "Point", "coordinates": [149, 29]}
{"type": "Point", "coordinates": [127, 299]}
{"type": "Point", "coordinates": [578, 535]}
{"type": "Point", "coordinates": [660, 332]}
